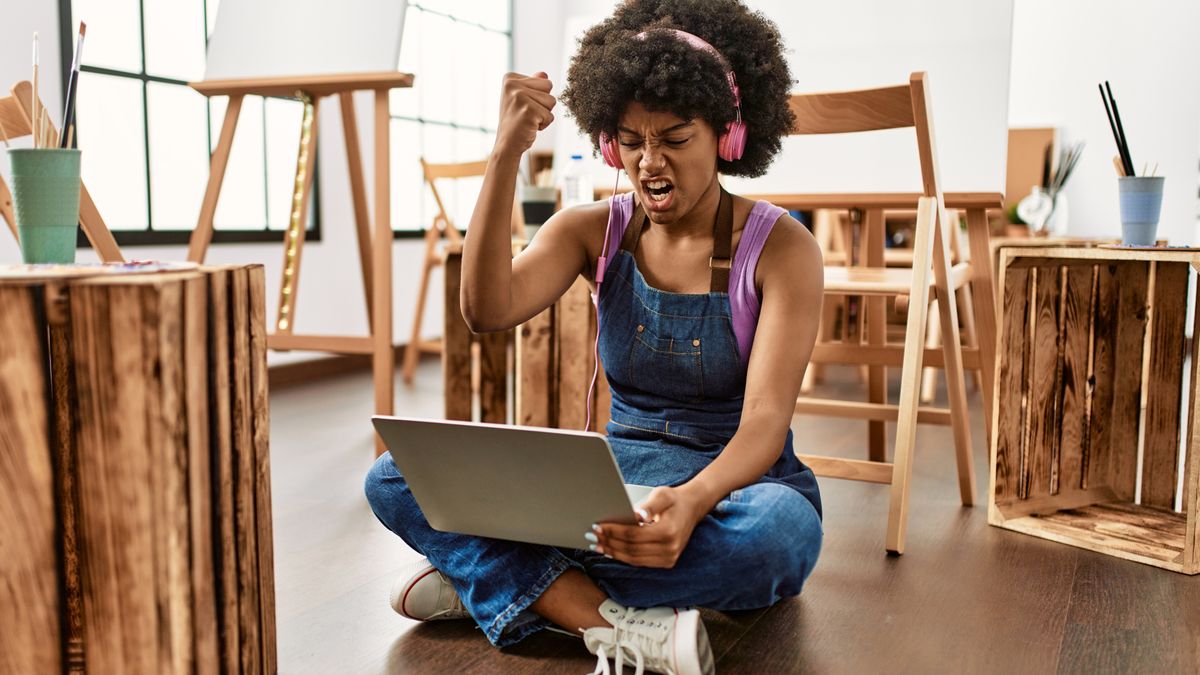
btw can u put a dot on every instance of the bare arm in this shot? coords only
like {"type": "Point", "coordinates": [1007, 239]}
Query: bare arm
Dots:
{"type": "Point", "coordinates": [499, 292]}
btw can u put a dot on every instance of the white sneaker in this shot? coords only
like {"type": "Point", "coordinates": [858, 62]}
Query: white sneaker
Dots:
{"type": "Point", "coordinates": [659, 639]}
{"type": "Point", "coordinates": [422, 593]}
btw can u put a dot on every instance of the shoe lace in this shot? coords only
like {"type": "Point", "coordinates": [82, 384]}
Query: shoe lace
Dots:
{"type": "Point", "coordinates": [627, 641]}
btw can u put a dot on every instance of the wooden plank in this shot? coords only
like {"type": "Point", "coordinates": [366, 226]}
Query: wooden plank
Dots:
{"type": "Point", "coordinates": [115, 461]}
{"type": "Point", "coordinates": [1075, 343]}
{"type": "Point", "coordinates": [1191, 463]}
{"type": "Point", "coordinates": [862, 410]}
{"type": "Point", "coordinates": [1165, 377]}
{"type": "Point", "coordinates": [337, 344]}
{"type": "Point", "coordinates": [315, 85]}
{"type": "Point", "coordinates": [456, 341]}
{"type": "Point", "coordinates": [221, 444]}
{"type": "Point", "coordinates": [1011, 387]}
{"type": "Point", "coordinates": [202, 236]}
{"type": "Point", "coordinates": [849, 469]}
{"type": "Point", "coordinates": [1043, 422]}
{"type": "Point", "coordinates": [574, 362]}
{"type": "Point", "coordinates": [533, 380]}
{"type": "Point", "coordinates": [1132, 279]}
{"type": "Point", "coordinates": [29, 593]}
{"type": "Point", "coordinates": [206, 643]}
{"type": "Point", "coordinates": [297, 229]}
{"type": "Point", "coordinates": [383, 363]}
{"type": "Point", "coordinates": [261, 421]}
{"type": "Point", "coordinates": [1094, 459]}
{"type": "Point", "coordinates": [983, 295]}
{"type": "Point", "coordinates": [358, 192]}
{"type": "Point", "coordinates": [891, 355]}
{"type": "Point", "coordinates": [245, 527]}
{"type": "Point", "coordinates": [845, 111]}
{"type": "Point", "coordinates": [876, 334]}
{"type": "Point", "coordinates": [1048, 504]}
{"type": "Point", "coordinates": [163, 306]}
{"type": "Point", "coordinates": [493, 372]}
{"type": "Point", "coordinates": [66, 476]}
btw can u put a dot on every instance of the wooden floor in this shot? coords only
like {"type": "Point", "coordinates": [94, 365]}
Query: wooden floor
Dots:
{"type": "Point", "coordinates": [965, 598]}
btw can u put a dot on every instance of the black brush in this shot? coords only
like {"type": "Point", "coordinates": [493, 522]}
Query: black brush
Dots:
{"type": "Point", "coordinates": [1126, 156]}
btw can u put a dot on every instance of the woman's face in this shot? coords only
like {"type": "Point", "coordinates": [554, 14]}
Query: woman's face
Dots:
{"type": "Point", "coordinates": [671, 161]}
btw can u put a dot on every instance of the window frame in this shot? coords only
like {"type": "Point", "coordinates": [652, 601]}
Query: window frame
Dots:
{"type": "Point", "coordinates": [171, 237]}
{"type": "Point", "coordinates": [419, 232]}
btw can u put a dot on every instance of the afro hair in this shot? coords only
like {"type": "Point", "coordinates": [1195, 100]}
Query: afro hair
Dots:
{"type": "Point", "coordinates": [613, 68]}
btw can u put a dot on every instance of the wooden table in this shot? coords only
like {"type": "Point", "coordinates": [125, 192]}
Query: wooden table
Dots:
{"type": "Point", "coordinates": [135, 503]}
{"type": "Point", "coordinates": [1089, 390]}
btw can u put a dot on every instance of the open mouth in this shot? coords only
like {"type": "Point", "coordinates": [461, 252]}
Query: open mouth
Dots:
{"type": "Point", "coordinates": [658, 191]}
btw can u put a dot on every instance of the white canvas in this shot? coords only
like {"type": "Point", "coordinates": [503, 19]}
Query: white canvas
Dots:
{"type": "Point", "coordinates": [281, 38]}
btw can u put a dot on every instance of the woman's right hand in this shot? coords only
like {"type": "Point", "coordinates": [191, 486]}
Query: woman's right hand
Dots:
{"type": "Point", "coordinates": [525, 109]}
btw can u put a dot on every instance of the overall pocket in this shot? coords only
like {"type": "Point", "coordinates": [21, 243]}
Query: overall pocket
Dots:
{"type": "Point", "coordinates": [669, 366]}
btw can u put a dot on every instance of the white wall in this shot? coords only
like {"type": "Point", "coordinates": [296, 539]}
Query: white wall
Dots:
{"type": "Point", "coordinates": [1060, 50]}
{"type": "Point", "coordinates": [1150, 53]}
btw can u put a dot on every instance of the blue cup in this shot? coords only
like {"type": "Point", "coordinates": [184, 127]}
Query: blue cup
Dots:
{"type": "Point", "coordinates": [1141, 204]}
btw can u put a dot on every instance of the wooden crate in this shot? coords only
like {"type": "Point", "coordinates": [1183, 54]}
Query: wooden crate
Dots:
{"type": "Point", "coordinates": [552, 364]}
{"type": "Point", "coordinates": [1089, 392]}
{"type": "Point", "coordinates": [134, 405]}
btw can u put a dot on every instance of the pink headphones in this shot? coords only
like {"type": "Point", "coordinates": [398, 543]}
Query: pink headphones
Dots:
{"type": "Point", "coordinates": [730, 145]}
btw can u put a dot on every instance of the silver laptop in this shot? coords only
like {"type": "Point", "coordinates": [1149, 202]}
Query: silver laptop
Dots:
{"type": "Point", "coordinates": [541, 486]}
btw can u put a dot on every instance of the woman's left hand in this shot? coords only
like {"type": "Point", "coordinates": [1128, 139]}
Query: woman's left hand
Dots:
{"type": "Point", "coordinates": [667, 517]}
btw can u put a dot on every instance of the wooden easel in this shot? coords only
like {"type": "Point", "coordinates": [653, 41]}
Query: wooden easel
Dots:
{"type": "Point", "coordinates": [375, 251]}
{"type": "Point", "coordinates": [16, 120]}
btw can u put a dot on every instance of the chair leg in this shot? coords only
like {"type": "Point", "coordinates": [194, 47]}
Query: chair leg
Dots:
{"type": "Point", "coordinates": [877, 377]}
{"type": "Point", "coordinates": [412, 351]}
{"type": "Point", "coordinates": [933, 337]}
{"type": "Point", "coordinates": [956, 390]}
{"type": "Point", "coordinates": [966, 313]}
{"type": "Point", "coordinates": [910, 380]}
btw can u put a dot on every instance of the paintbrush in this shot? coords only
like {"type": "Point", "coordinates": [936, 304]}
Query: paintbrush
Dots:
{"type": "Point", "coordinates": [1126, 169]}
{"type": "Point", "coordinates": [34, 103]}
{"type": "Point", "coordinates": [68, 118]}
{"type": "Point", "coordinates": [1128, 157]}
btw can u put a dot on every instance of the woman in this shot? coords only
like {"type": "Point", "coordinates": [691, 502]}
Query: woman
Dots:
{"type": "Point", "coordinates": [708, 307]}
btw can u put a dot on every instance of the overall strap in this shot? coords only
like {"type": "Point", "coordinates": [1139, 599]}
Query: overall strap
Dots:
{"type": "Point", "coordinates": [722, 256]}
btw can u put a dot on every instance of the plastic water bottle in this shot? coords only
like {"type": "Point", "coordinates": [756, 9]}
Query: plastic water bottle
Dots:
{"type": "Point", "coordinates": [577, 183]}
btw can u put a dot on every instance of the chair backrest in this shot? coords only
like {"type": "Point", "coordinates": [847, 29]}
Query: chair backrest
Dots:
{"type": "Point", "coordinates": [450, 171]}
{"type": "Point", "coordinates": [871, 110]}
{"type": "Point", "coordinates": [17, 121]}
{"type": "Point", "coordinates": [434, 173]}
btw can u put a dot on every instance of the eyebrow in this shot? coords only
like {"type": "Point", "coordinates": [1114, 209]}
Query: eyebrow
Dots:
{"type": "Point", "coordinates": [677, 127]}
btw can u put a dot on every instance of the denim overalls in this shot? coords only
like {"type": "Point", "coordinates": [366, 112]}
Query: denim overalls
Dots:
{"type": "Point", "coordinates": [677, 383]}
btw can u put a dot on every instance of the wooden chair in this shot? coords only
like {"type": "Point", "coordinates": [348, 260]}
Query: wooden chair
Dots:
{"type": "Point", "coordinates": [932, 275]}
{"type": "Point", "coordinates": [16, 121]}
{"type": "Point", "coordinates": [442, 230]}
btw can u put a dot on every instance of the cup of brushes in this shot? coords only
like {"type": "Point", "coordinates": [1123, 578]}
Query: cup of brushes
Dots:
{"type": "Point", "coordinates": [1140, 196]}
{"type": "Point", "coordinates": [46, 177]}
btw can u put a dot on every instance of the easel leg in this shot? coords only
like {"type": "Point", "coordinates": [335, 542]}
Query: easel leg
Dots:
{"type": "Point", "coordinates": [293, 244]}
{"type": "Point", "coordinates": [384, 362]}
{"type": "Point", "coordinates": [202, 235]}
{"type": "Point", "coordinates": [358, 193]}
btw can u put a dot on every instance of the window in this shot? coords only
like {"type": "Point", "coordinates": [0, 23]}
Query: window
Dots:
{"type": "Point", "coordinates": [147, 137]}
{"type": "Point", "coordinates": [459, 51]}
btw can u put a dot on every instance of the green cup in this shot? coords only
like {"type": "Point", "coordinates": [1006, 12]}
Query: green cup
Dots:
{"type": "Point", "coordinates": [46, 199]}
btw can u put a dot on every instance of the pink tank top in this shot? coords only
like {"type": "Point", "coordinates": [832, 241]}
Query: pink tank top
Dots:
{"type": "Point", "coordinates": [743, 296]}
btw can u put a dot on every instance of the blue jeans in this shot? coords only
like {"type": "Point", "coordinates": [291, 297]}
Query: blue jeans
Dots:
{"type": "Point", "coordinates": [755, 548]}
